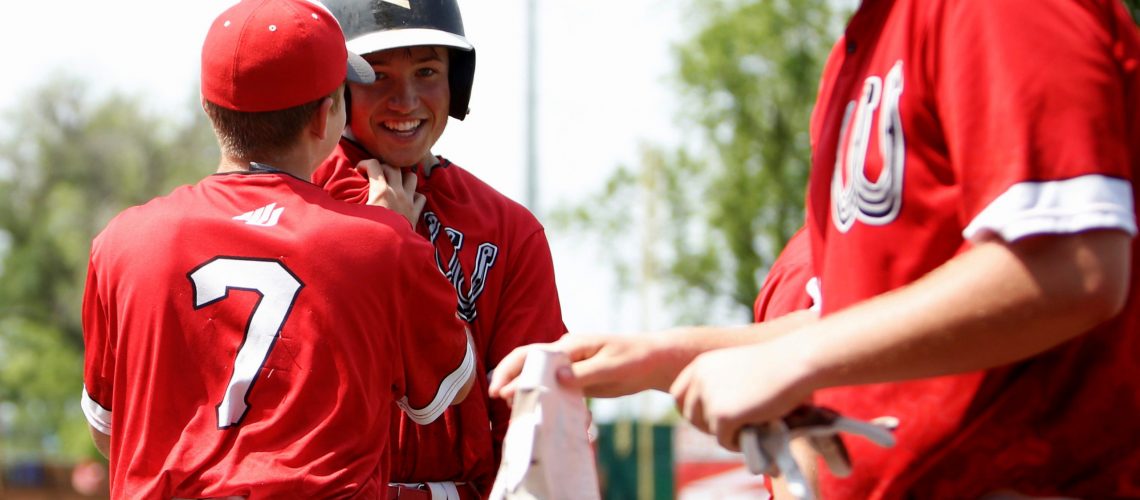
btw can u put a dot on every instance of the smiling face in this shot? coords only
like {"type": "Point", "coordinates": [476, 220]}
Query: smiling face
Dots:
{"type": "Point", "coordinates": [402, 115]}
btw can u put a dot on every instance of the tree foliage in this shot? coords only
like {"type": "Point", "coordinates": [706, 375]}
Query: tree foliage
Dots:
{"type": "Point", "coordinates": [68, 163]}
{"type": "Point", "coordinates": [717, 210]}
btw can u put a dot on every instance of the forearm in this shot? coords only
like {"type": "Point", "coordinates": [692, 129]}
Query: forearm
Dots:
{"type": "Point", "coordinates": [989, 306]}
{"type": "Point", "coordinates": [676, 348]}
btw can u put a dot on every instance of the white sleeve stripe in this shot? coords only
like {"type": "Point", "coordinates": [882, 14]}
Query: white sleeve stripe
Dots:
{"type": "Point", "coordinates": [1057, 207]}
{"type": "Point", "coordinates": [97, 416]}
{"type": "Point", "coordinates": [446, 392]}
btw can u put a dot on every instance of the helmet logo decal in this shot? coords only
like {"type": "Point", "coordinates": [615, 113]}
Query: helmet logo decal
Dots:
{"type": "Point", "coordinates": [407, 4]}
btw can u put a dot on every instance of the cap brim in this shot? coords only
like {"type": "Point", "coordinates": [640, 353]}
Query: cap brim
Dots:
{"type": "Point", "coordinates": [359, 71]}
{"type": "Point", "coordinates": [413, 37]}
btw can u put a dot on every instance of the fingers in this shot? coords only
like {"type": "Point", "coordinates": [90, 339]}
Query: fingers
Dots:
{"type": "Point", "coordinates": [395, 177]}
{"type": "Point", "coordinates": [388, 177]}
{"type": "Point", "coordinates": [409, 180]}
{"type": "Point", "coordinates": [600, 371]}
{"type": "Point", "coordinates": [393, 188]}
{"type": "Point", "coordinates": [419, 201]}
{"type": "Point", "coordinates": [594, 377]}
{"type": "Point", "coordinates": [503, 378]}
{"type": "Point", "coordinates": [600, 367]}
{"type": "Point", "coordinates": [695, 398]}
{"type": "Point", "coordinates": [688, 399]}
{"type": "Point", "coordinates": [374, 172]}
{"type": "Point", "coordinates": [727, 433]}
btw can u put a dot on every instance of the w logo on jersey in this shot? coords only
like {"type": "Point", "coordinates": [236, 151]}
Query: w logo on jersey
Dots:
{"type": "Point", "coordinates": [854, 197]}
{"type": "Point", "coordinates": [485, 255]}
{"type": "Point", "coordinates": [266, 216]}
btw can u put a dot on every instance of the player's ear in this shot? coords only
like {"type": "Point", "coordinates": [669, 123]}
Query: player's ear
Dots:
{"type": "Point", "coordinates": [318, 124]}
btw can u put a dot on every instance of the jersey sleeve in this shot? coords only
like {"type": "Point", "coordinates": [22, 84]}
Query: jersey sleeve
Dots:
{"type": "Point", "coordinates": [98, 355]}
{"type": "Point", "coordinates": [438, 356]}
{"type": "Point", "coordinates": [1032, 103]}
{"type": "Point", "coordinates": [785, 289]}
{"type": "Point", "coordinates": [531, 312]}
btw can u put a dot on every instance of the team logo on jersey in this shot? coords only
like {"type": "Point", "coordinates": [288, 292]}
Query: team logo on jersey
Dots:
{"type": "Point", "coordinates": [485, 255]}
{"type": "Point", "coordinates": [855, 197]}
{"type": "Point", "coordinates": [266, 216]}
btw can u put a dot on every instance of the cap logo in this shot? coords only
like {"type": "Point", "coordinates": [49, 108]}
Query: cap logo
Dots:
{"type": "Point", "coordinates": [407, 4]}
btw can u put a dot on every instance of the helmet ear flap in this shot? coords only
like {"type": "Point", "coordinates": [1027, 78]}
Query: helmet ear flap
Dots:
{"type": "Point", "coordinates": [460, 77]}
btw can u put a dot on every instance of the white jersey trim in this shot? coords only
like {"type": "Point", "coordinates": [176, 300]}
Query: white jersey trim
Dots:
{"type": "Point", "coordinates": [97, 416]}
{"type": "Point", "coordinates": [447, 389]}
{"type": "Point", "coordinates": [1057, 207]}
{"type": "Point", "coordinates": [813, 290]}
{"type": "Point", "coordinates": [442, 490]}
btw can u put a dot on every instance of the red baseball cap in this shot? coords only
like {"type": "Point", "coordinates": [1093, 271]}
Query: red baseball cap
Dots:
{"type": "Point", "coordinates": [268, 55]}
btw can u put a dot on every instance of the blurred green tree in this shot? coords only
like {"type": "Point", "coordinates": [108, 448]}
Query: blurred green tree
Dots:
{"type": "Point", "coordinates": [68, 163]}
{"type": "Point", "coordinates": [713, 214]}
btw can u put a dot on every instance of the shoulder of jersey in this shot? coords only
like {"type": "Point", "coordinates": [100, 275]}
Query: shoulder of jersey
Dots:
{"type": "Point", "coordinates": [458, 179]}
{"type": "Point", "coordinates": [152, 208]}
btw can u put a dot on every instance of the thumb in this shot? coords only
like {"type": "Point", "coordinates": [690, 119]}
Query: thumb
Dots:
{"type": "Point", "coordinates": [593, 376]}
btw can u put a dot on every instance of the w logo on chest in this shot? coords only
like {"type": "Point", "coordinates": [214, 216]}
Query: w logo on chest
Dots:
{"type": "Point", "coordinates": [854, 196]}
{"type": "Point", "coordinates": [468, 291]}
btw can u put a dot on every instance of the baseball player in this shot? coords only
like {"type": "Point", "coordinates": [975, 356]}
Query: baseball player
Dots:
{"type": "Point", "coordinates": [492, 249]}
{"type": "Point", "coordinates": [972, 212]}
{"type": "Point", "coordinates": [230, 351]}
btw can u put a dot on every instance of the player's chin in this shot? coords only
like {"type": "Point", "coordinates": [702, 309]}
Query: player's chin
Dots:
{"type": "Point", "coordinates": [402, 155]}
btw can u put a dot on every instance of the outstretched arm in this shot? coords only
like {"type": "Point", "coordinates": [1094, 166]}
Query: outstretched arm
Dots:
{"type": "Point", "coordinates": [993, 304]}
{"type": "Point", "coordinates": [617, 365]}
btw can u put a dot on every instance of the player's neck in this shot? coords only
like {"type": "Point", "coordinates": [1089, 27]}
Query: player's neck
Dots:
{"type": "Point", "coordinates": [301, 169]}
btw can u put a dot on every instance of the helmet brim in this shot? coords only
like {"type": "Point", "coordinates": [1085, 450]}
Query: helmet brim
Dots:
{"type": "Point", "coordinates": [411, 37]}
{"type": "Point", "coordinates": [359, 71]}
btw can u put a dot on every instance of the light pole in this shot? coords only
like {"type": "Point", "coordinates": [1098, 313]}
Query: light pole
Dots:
{"type": "Point", "coordinates": [531, 103]}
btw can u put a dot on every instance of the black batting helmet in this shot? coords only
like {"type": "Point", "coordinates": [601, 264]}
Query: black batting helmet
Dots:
{"type": "Point", "coordinates": [375, 25]}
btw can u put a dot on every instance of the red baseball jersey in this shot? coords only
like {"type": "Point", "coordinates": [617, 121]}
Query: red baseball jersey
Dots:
{"type": "Point", "coordinates": [785, 288]}
{"type": "Point", "coordinates": [496, 255]}
{"type": "Point", "coordinates": [942, 120]}
{"type": "Point", "coordinates": [248, 336]}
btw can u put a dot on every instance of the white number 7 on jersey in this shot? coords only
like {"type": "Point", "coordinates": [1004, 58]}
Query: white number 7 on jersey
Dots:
{"type": "Point", "coordinates": [278, 288]}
